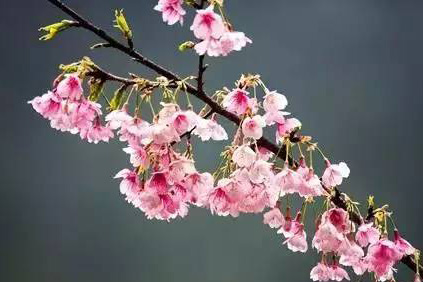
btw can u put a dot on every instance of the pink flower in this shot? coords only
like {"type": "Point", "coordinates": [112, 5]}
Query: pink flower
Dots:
{"type": "Point", "coordinates": [288, 180]}
{"type": "Point", "coordinates": [284, 129]}
{"type": "Point", "coordinates": [338, 218]}
{"type": "Point", "coordinates": [62, 121]}
{"type": "Point", "coordinates": [162, 207]}
{"type": "Point", "coordinates": [352, 255]}
{"type": "Point", "coordinates": [70, 87]}
{"type": "Point", "coordinates": [172, 11]}
{"type": "Point", "coordinates": [261, 172]}
{"type": "Point", "coordinates": [162, 198]}
{"type": "Point", "coordinates": [274, 218]}
{"type": "Point", "coordinates": [291, 226]}
{"type": "Point", "coordinates": [232, 41]}
{"type": "Point", "coordinates": [367, 234]}
{"type": "Point", "coordinates": [84, 113]}
{"type": "Point", "coordinates": [180, 169]}
{"type": "Point", "coordinates": [138, 155]}
{"type": "Point", "coordinates": [417, 278]}
{"type": "Point", "coordinates": [276, 117]}
{"type": "Point", "coordinates": [253, 127]}
{"type": "Point", "coordinates": [97, 132]}
{"type": "Point", "coordinates": [244, 156]}
{"type": "Point", "coordinates": [274, 102]}
{"type": "Point", "coordinates": [199, 184]}
{"type": "Point", "coordinates": [134, 131]}
{"type": "Point", "coordinates": [184, 121]}
{"type": "Point", "coordinates": [334, 173]}
{"type": "Point", "coordinates": [159, 183]}
{"type": "Point", "coordinates": [338, 273]}
{"type": "Point", "coordinates": [255, 199]}
{"type": "Point", "coordinates": [48, 105]}
{"type": "Point", "coordinates": [207, 24]}
{"type": "Point", "coordinates": [167, 113]}
{"type": "Point", "coordinates": [320, 272]}
{"type": "Point", "coordinates": [381, 257]}
{"type": "Point", "coordinates": [310, 185]}
{"type": "Point", "coordinates": [402, 245]}
{"type": "Point", "coordinates": [327, 238]}
{"type": "Point", "coordinates": [116, 118]}
{"type": "Point", "coordinates": [164, 134]}
{"type": "Point", "coordinates": [237, 101]}
{"type": "Point", "coordinates": [210, 46]}
{"type": "Point", "coordinates": [208, 129]}
{"type": "Point", "coordinates": [220, 200]}
{"type": "Point", "coordinates": [297, 242]}
{"type": "Point", "coordinates": [130, 183]}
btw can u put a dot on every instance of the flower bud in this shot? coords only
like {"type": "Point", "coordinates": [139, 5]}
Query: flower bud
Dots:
{"type": "Point", "coordinates": [186, 45]}
{"type": "Point", "coordinates": [122, 24]}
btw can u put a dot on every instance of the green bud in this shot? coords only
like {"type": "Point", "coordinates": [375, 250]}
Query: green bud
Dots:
{"type": "Point", "coordinates": [53, 29]}
{"type": "Point", "coordinates": [117, 99]}
{"type": "Point", "coordinates": [122, 24]}
{"type": "Point", "coordinates": [186, 45]}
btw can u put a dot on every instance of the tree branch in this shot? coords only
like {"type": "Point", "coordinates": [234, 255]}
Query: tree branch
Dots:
{"type": "Point", "coordinates": [198, 92]}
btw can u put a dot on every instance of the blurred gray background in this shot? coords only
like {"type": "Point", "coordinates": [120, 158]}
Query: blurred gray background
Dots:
{"type": "Point", "coordinates": [351, 69]}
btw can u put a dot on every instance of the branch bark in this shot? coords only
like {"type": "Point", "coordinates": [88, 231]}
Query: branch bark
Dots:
{"type": "Point", "coordinates": [198, 92]}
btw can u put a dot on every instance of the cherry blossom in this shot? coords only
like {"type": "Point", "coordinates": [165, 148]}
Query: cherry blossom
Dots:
{"type": "Point", "coordinates": [367, 234]}
{"type": "Point", "coordinates": [237, 101]}
{"type": "Point", "coordinates": [208, 129]}
{"type": "Point", "coordinates": [130, 182]}
{"type": "Point", "coordinates": [48, 105]}
{"type": "Point", "coordinates": [321, 272]}
{"type": "Point", "coordinates": [70, 87]}
{"type": "Point", "coordinates": [274, 218]}
{"type": "Point", "coordinates": [253, 127]}
{"type": "Point", "coordinates": [116, 118]}
{"type": "Point", "coordinates": [232, 41]}
{"type": "Point", "coordinates": [338, 273]}
{"type": "Point", "coordinates": [288, 180]}
{"type": "Point", "coordinates": [207, 24]}
{"type": "Point", "coordinates": [97, 133]}
{"type": "Point", "coordinates": [261, 172]}
{"type": "Point", "coordinates": [244, 156]}
{"type": "Point", "coordinates": [334, 174]}
{"type": "Point", "coordinates": [381, 257]}
{"type": "Point", "coordinates": [402, 245]}
{"type": "Point", "coordinates": [138, 155]}
{"type": "Point", "coordinates": [172, 11]}
{"type": "Point", "coordinates": [274, 102]}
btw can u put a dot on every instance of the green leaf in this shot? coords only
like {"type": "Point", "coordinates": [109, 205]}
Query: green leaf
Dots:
{"type": "Point", "coordinates": [53, 29]}
{"type": "Point", "coordinates": [117, 99]}
{"type": "Point", "coordinates": [96, 88]}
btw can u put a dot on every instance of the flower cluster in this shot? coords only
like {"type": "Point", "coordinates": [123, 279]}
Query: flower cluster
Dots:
{"type": "Point", "coordinates": [68, 110]}
{"type": "Point", "coordinates": [216, 35]}
{"type": "Point", "coordinates": [173, 181]}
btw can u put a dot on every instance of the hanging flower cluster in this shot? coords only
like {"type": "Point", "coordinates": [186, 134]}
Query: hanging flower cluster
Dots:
{"type": "Point", "coordinates": [215, 34]}
{"type": "Point", "coordinates": [68, 110]}
{"type": "Point", "coordinates": [254, 175]}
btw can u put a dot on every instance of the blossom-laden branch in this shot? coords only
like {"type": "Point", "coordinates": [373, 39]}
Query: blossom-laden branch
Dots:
{"type": "Point", "coordinates": [164, 181]}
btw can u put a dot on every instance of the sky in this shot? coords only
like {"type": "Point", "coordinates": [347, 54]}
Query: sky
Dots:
{"type": "Point", "coordinates": [352, 73]}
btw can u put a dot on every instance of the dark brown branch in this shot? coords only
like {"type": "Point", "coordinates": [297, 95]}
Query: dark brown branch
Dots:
{"type": "Point", "coordinates": [338, 199]}
{"type": "Point", "coordinates": [201, 69]}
